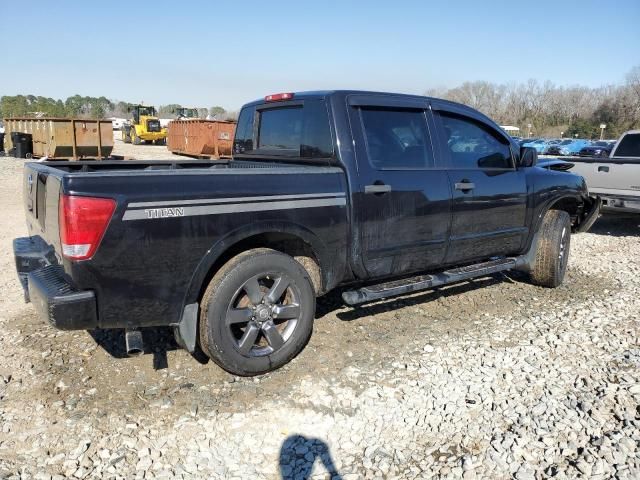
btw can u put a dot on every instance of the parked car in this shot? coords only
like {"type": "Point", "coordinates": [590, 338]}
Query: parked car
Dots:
{"type": "Point", "coordinates": [567, 147]}
{"type": "Point", "coordinates": [539, 144]}
{"type": "Point", "coordinates": [325, 189]}
{"type": "Point", "coordinates": [596, 149]}
{"type": "Point", "coordinates": [617, 178]}
{"type": "Point", "coordinates": [524, 141]}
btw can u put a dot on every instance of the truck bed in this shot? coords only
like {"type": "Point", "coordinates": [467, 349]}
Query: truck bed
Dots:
{"type": "Point", "coordinates": [170, 215]}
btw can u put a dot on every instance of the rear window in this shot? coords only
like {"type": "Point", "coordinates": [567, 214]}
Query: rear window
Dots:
{"type": "Point", "coordinates": [294, 130]}
{"type": "Point", "coordinates": [629, 146]}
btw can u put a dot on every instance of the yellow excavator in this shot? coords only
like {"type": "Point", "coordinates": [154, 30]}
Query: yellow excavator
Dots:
{"type": "Point", "coordinates": [144, 126]}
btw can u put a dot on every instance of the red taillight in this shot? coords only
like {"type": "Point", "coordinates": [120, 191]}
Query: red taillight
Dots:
{"type": "Point", "coordinates": [276, 97]}
{"type": "Point", "coordinates": [83, 221]}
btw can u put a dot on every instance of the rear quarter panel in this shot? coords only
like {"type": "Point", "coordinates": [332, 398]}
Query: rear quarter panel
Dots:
{"type": "Point", "coordinates": [144, 268]}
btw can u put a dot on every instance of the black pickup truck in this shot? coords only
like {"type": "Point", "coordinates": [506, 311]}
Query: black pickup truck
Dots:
{"type": "Point", "coordinates": [381, 194]}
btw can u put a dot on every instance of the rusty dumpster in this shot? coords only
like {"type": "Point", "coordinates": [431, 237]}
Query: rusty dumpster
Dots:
{"type": "Point", "coordinates": [201, 138]}
{"type": "Point", "coordinates": [64, 138]}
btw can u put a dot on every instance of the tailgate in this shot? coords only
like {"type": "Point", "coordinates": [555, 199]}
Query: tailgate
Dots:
{"type": "Point", "coordinates": [609, 176]}
{"type": "Point", "coordinates": [41, 193]}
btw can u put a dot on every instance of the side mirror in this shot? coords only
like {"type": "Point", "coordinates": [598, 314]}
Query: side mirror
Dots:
{"type": "Point", "coordinates": [528, 157]}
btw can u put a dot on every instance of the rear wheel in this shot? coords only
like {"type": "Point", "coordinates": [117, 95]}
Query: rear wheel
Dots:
{"type": "Point", "coordinates": [552, 252]}
{"type": "Point", "coordinates": [257, 312]}
{"type": "Point", "coordinates": [160, 141]}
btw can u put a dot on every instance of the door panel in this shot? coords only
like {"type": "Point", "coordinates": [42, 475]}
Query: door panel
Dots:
{"type": "Point", "coordinates": [405, 229]}
{"type": "Point", "coordinates": [489, 204]}
{"type": "Point", "coordinates": [490, 219]}
{"type": "Point", "coordinates": [403, 201]}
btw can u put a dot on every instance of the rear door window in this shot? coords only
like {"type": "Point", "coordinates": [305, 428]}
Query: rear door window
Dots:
{"type": "Point", "coordinates": [396, 138]}
{"type": "Point", "coordinates": [473, 145]}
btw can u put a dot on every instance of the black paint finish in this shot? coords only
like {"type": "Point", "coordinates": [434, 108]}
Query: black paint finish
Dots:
{"type": "Point", "coordinates": [392, 221]}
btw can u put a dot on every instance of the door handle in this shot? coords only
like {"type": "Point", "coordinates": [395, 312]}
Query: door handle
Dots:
{"type": "Point", "coordinates": [465, 185]}
{"type": "Point", "coordinates": [377, 188]}
{"type": "Point", "coordinates": [603, 169]}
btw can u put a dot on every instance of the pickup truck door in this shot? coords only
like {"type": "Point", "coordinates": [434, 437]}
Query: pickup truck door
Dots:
{"type": "Point", "coordinates": [401, 200]}
{"type": "Point", "coordinates": [489, 206]}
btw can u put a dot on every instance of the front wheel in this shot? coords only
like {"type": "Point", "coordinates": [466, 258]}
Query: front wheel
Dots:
{"type": "Point", "coordinates": [257, 312]}
{"type": "Point", "coordinates": [552, 252]}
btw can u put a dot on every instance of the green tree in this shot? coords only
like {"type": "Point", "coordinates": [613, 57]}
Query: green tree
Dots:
{"type": "Point", "coordinates": [165, 111]}
{"type": "Point", "coordinates": [583, 128]}
{"type": "Point", "coordinates": [217, 111]}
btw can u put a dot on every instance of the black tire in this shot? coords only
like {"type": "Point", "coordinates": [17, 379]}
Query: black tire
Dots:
{"type": "Point", "coordinates": [552, 252]}
{"type": "Point", "coordinates": [239, 302]}
{"type": "Point", "coordinates": [135, 139]}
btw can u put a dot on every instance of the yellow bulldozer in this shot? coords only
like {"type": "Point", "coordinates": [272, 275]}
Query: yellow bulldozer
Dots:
{"type": "Point", "coordinates": [144, 126]}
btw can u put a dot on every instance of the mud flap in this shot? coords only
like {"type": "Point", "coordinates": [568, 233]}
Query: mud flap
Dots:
{"type": "Point", "coordinates": [186, 332]}
{"type": "Point", "coordinates": [591, 215]}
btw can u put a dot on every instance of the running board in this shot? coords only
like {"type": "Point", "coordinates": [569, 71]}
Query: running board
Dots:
{"type": "Point", "coordinates": [423, 282]}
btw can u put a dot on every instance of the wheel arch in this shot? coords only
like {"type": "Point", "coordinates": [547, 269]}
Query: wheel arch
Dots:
{"type": "Point", "coordinates": [573, 204]}
{"type": "Point", "coordinates": [285, 237]}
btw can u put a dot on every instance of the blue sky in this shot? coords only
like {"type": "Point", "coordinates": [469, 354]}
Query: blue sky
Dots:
{"type": "Point", "coordinates": [205, 53]}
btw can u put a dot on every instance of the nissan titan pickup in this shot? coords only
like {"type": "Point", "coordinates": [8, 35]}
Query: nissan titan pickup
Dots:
{"type": "Point", "coordinates": [379, 194]}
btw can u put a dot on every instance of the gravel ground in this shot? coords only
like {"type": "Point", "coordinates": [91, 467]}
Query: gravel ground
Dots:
{"type": "Point", "coordinates": [492, 378]}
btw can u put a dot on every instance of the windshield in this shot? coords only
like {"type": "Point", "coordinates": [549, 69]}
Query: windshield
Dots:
{"type": "Point", "coordinates": [566, 142]}
{"type": "Point", "coordinates": [148, 111]}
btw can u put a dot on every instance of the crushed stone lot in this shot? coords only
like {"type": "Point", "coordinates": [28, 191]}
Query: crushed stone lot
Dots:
{"type": "Point", "coordinates": [491, 378]}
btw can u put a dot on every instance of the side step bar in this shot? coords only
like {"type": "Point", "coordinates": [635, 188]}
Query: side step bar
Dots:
{"type": "Point", "coordinates": [423, 282]}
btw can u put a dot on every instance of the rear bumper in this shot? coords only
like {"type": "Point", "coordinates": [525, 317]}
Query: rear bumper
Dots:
{"type": "Point", "coordinates": [627, 204]}
{"type": "Point", "coordinates": [45, 284]}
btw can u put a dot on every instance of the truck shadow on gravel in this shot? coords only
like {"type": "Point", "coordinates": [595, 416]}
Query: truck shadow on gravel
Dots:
{"type": "Point", "coordinates": [617, 225]}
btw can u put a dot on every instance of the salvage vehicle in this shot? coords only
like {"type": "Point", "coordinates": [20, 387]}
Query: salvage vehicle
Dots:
{"type": "Point", "coordinates": [566, 147]}
{"type": "Point", "coordinates": [379, 194]}
{"type": "Point", "coordinates": [538, 144]}
{"type": "Point", "coordinates": [600, 148]}
{"type": "Point", "coordinates": [616, 179]}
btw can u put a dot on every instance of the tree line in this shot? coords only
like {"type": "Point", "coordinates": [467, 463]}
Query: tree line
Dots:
{"type": "Point", "coordinates": [553, 110]}
{"type": "Point", "coordinates": [77, 106]}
